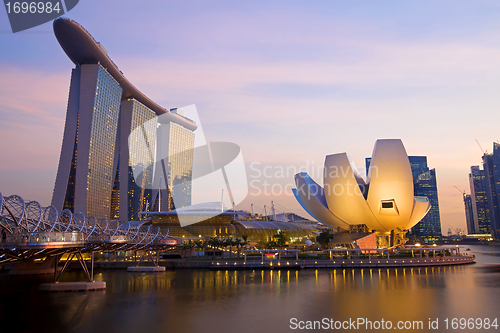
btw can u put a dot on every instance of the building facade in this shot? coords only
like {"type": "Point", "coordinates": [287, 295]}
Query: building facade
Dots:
{"type": "Point", "coordinates": [95, 174]}
{"type": "Point", "coordinates": [469, 214]}
{"type": "Point", "coordinates": [135, 192]}
{"type": "Point", "coordinates": [424, 185]}
{"type": "Point", "coordinates": [482, 206]}
{"type": "Point", "coordinates": [85, 176]}
{"type": "Point", "coordinates": [491, 166]}
{"type": "Point", "coordinates": [384, 203]}
{"type": "Point", "coordinates": [479, 200]}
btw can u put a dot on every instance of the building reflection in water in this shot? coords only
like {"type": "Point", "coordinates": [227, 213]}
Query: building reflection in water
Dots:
{"type": "Point", "coordinates": [213, 300]}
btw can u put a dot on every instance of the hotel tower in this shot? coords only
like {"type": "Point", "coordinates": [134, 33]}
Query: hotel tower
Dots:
{"type": "Point", "coordinates": [95, 174]}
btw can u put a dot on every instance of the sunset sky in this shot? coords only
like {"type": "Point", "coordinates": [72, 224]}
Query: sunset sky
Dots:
{"type": "Point", "coordinates": [288, 81]}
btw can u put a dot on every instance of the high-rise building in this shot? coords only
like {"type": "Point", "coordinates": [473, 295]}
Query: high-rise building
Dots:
{"type": "Point", "coordinates": [479, 199]}
{"type": "Point", "coordinates": [95, 173]}
{"type": "Point", "coordinates": [491, 166]}
{"type": "Point", "coordinates": [429, 228]}
{"type": "Point", "coordinates": [495, 181]}
{"type": "Point", "coordinates": [137, 196]}
{"type": "Point", "coordinates": [469, 214]}
{"type": "Point", "coordinates": [424, 185]}
{"type": "Point", "coordinates": [85, 176]}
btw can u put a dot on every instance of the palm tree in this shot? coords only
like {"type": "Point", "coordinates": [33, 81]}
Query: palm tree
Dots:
{"type": "Point", "coordinates": [236, 242]}
{"type": "Point", "coordinates": [245, 241]}
{"type": "Point", "coordinates": [229, 242]}
{"type": "Point", "coordinates": [198, 245]}
{"type": "Point", "coordinates": [212, 242]}
{"type": "Point", "coordinates": [188, 246]}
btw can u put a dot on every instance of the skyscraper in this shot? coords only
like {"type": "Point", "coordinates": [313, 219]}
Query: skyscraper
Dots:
{"type": "Point", "coordinates": [424, 185]}
{"type": "Point", "coordinates": [495, 183]}
{"type": "Point", "coordinates": [429, 228]}
{"type": "Point", "coordinates": [491, 166]}
{"type": "Point", "coordinates": [136, 196]}
{"type": "Point", "coordinates": [469, 214]}
{"type": "Point", "coordinates": [480, 211]}
{"type": "Point", "coordinates": [94, 174]}
{"type": "Point", "coordinates": [85, 176]}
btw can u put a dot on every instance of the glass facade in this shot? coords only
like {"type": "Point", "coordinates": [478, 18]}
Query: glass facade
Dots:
{"type": "Point", "coordinates": [180, 166]}
{"type": "Point", "coordinates": [469, 215]}
{"type": "Point", "coordinates": [99, 173]}
{"type": "Point", "coordinates": [491, 192]}
{"type": "Point", "coordinates": [69, 199]}
{"type": "Point", "coordinates": [115, 195]}
{"type": "Point", "coordinates": [495, 226]}
{"type": "Point", "coordinates": [141, 148]}
{"type": "Point", "coordinates": [96, 174]}
{"type": "Point", "coordinates": [418, 166]}
{"type": "Point", "coordinates": [225, 225]}
{"type": "Point", "coordinates": [478, 187]}
{"type": "Point", "coordinates": [429, 228]}
{"type": "Point", "coordinates": [100, 176]}
{"type": "Point", "coordinates": [491, 167]}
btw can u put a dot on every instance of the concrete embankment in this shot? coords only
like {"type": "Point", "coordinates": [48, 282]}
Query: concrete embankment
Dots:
{"type": "Point", "coordinates": [294, 264]}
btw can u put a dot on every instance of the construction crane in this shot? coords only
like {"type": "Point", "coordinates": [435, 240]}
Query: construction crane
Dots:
{"type": "Point", "coordinates": [484, 151]}
{"type": "Point", "coordinates": [459, 190]}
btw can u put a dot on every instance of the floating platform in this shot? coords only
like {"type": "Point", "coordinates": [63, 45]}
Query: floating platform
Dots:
{"type": "Point", "coordinates": [146, 269]}
{"type": "Point", "coordinates": [73, 286]}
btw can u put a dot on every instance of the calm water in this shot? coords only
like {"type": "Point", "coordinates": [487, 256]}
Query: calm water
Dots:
{"type": "Point", "coordinates": [255, 301]}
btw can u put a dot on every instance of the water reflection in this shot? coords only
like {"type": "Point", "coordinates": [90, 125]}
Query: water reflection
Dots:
{"type": "Point", "coordinates": [259, 300]}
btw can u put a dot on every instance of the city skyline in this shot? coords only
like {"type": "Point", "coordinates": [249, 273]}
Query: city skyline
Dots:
{"type": "Point", "coordinates": [260, 73]}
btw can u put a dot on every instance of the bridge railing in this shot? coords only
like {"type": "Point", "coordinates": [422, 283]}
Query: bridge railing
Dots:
{"type": "Point", "coordinates": [28, 222]}
{"type": "Point", "coordinates": [44, 237]}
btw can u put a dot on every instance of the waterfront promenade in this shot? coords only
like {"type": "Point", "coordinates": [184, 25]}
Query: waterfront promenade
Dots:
{"type": "Point", "coordinates": [353, 258]}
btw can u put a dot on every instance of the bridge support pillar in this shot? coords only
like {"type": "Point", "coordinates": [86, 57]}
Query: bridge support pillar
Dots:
{"type": "Point", "coordinates": [73, 286]}
{"type": "Point", "coordinates": [154, 268]}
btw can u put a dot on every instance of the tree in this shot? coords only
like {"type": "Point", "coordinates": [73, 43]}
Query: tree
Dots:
{"type": "Point", "coordinates": [198, 245]}
{"type": "Point", "coordinates": [324, 238]}
{"type": "Point", "coordinates": [236, 242]}
{"type": "Point", "coordinates": [228, 242]}
{"type": "Point", "coordinates": [188, 246]}
{"type": "Point", "coordinates": [280, 238]}
{"type": "Point", "coordinates": [245, 241]}
{"type": "Point", "coordinates": [242, 243]}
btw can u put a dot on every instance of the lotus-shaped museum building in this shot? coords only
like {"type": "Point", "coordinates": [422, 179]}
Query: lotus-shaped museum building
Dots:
{"type": "Point", "coordinates": [384, 203]}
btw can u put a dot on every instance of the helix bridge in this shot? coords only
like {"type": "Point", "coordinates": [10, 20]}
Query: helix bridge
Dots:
{"type": "Point", "coordinates": [29, 231]}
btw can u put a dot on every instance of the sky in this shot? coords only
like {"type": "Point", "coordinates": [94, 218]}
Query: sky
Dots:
{"type": "Point", "coordinates": [288, 81]}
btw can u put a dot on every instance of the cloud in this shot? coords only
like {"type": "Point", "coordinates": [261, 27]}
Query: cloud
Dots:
{"type": "Point", "coordinates": [32, 109]}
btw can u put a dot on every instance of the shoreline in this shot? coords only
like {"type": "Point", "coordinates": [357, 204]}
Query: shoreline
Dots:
{"type": "Point", "coordinates": [234, 263]}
